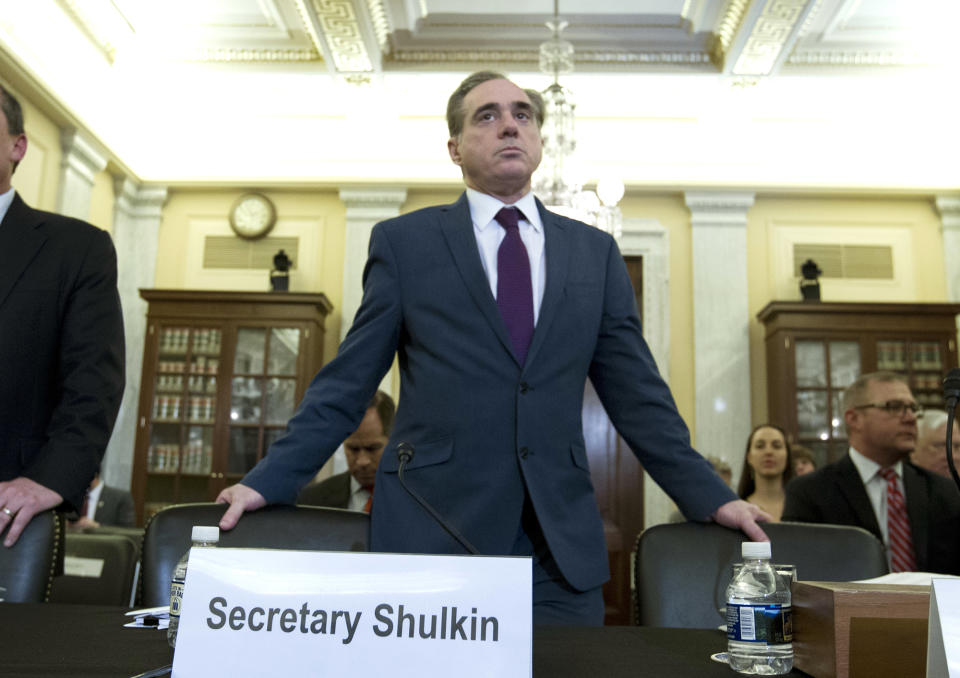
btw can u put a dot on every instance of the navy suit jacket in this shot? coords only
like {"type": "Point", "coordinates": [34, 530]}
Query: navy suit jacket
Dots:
{"type": "Point", "coordinates": [115, 507]}
{"type": "Point", "coordinates": [61, 349]}
{"type": "Point", "coordinates": [835, 494]}
{"type": "Point", "coordinates": [487, 430]}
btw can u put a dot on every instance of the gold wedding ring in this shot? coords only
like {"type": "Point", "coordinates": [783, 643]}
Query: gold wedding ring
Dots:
{"type": "Point", "coordinates": [8, 511]}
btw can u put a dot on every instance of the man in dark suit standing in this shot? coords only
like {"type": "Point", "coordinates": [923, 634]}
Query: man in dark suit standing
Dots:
{"type": "Point", "coordinates": [499, 311]}
{"type": "Point", "coordinates": [914, 512]}
{"type": "Point", "coordinates": [353, 489]}
{"type": "Point", "coordinates": [61, 347]}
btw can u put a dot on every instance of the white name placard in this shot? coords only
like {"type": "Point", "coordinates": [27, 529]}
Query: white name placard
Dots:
{"type": "Point", "coordinates": [263, 612]}
{"type": "Point", "coordinates": [943, 635]}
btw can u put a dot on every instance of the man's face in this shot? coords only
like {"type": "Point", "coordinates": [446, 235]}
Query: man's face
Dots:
{"type": "Point", "coordinates": [885, 437]}
{"type": "Point", "coordinates": [12, 149]}
{"type": "Point", "coordinates": [364, 448]}
{"type": "Point", "coordinates": [500, 145]}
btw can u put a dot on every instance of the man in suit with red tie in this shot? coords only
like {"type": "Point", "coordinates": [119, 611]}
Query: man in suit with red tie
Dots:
{"type": "Point", "coordinates": [914, 512]}
{"type": "Point", "coordinates": [61, 347]}
{"type": "Point", "coordinates": [498, 311]}
{"type": "Point", "coordinates": [353, 489]}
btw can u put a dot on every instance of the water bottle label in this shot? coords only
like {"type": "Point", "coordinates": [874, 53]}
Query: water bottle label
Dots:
{"type": "Point", "coordinates": [766, 624]}
{"type": "Point", "coordinates": [176, 598]}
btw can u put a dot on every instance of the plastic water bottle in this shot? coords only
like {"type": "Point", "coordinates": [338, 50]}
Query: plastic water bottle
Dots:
{"type": "Point", "coordinates": [202, 535]}
{"type": "Point", "coordinates": [759, 616]}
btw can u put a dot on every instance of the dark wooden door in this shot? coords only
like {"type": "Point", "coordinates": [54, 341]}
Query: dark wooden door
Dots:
{"type": "Point", "coordinates": [618, 481]}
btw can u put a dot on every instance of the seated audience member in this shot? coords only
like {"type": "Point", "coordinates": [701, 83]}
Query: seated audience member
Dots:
{"type": "Point", "coordinates": [767, 466]}
{"type": "Point", "coordinates": [723, 470]}
{"type": "Point", "coordinates": [931, 450]}
{"type": "Point", "coordinates": [916, 513]}
{"type": "Point", "coordinates": [104, 505]}
{"type": "Point", "coordinates": [803, 461]}
{"type": "Point", "coordinates": [353, 489]}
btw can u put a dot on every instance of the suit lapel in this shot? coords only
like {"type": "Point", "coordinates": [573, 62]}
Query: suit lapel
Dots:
{"type": "Point", "coordinates": [918, 512]}
{"type": "Point", "coordinates": [20, 240]}
{"type": "Point", "coordinates": [557, 246]}
{"type": "Point", "coordinates": [457, 227]}
{"type": "Point", "coordinates": [851, 486]}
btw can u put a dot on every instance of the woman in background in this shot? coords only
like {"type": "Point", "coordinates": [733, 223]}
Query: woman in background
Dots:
{"type": "Point", "coordinates": [767, 466]}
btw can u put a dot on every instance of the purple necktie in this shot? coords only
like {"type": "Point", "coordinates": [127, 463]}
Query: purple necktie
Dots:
{"type": "Point", "coordinates": [514, 289]}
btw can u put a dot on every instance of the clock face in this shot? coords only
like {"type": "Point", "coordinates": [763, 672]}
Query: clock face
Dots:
{"type": "Point", "coordinates": [252, 216]}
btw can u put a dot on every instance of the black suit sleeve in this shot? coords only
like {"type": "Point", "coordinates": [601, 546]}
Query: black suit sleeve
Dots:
{"type": "Point", "coordinates": [90, 374]}
{"type": "Point", "coordinates": [800, 504]}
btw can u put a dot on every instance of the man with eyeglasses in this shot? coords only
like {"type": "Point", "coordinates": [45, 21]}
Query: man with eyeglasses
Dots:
{"type": "Point", "coordinates": [914, 512]}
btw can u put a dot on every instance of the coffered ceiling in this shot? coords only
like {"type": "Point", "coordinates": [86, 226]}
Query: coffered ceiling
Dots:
{"type": "Point", "coordinates": [353, 90]}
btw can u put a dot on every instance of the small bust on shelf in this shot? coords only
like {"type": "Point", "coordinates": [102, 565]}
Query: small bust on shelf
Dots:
{"type": "Point", "coordinates": [810, 285]}
{"type": "Point", "coordinates": [280, 275]}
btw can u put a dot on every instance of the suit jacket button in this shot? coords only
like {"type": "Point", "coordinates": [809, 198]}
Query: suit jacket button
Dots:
{"type": "Point", "coordinates": [524, 387]}
{"type": "Point", "coordinates": [524, 452]}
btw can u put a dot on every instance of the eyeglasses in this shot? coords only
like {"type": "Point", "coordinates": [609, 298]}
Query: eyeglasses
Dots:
{"type": "Point", "coordinates": [897, 407]}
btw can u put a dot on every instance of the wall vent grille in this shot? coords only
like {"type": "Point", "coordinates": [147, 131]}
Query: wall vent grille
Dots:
{"type": "Point", "coordinates": [221, 251]}
{"type": "Point", "coordinates": [864, 262]}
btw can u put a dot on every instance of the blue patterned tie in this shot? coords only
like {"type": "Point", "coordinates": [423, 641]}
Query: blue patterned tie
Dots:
{"type": "Point", "coordinates": [514, 288]}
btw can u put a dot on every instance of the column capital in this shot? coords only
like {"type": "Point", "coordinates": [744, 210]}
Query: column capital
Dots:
{"type": "Point", "coordinates": [80, 154]}
{"type": "Point", "coordinates": [949, 208]}
{"type": "Point", "coordinates": [719, 208]}
{"type": "Point", "coordinates": [138, 200]}
{"type": "Point", "coordinates": [372, 203]}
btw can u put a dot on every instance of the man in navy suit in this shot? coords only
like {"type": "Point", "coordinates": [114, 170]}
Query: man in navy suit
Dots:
{"type": "Point", "coordinates": [61, 347]}
{"type": "Point", "coordinates": [491, 397]}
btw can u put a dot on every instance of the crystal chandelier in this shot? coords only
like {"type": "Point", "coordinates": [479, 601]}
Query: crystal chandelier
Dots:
{"type": "Point", "coordinates": [559, 179]}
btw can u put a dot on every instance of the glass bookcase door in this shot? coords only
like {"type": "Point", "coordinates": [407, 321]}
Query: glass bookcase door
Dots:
{"type": "Point", "coordinates": [179, 456]}
{"type": "Point", "coordinates": [263, 393]}
{"type": "Point", "coordinates": [824, 368]}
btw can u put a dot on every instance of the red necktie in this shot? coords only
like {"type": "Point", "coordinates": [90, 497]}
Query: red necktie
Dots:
{"type": "Point", "coordinates": [85, 506]}
{"type": "Point", "coordinates": [514, 287]}
{"type": "Point", "coordinates": [369, 504]}
{"type": "Point", "coordinates": [898, 527]}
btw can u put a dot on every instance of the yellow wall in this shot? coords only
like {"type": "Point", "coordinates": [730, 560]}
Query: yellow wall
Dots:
{"type": "Point", "coordinates": [313, 215]}
{"type": "Point", "coordinates": [38, 175]}
{"type": "Point", "coordinates": [102, 201]}
{"type": "Point", "coordinates": [917, 215]}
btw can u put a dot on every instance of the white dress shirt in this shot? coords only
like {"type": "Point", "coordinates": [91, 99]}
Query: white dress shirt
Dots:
{"type": "Point", "coordinates": [876, 487]}
{"type": "Point", "coordinates": [6, 199]}
{"type": "Point", "coordinates": [93, 498]}
{"type": "Point", "coordinates": [358, 495]}
{"type": "Point", "coordinates": [489, 234]}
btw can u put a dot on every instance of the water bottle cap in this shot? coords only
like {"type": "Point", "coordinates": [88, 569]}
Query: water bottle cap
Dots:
{"type": "Point", "coordinates": [205, 533]}
{"type": "Point", "coordinates": [755, 549]}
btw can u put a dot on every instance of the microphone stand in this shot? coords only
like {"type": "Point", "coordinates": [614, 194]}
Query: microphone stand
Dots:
{"type": "Point", "coordinates": [951, 394]}
{"type": "Point", "coordinates": [405, 454]}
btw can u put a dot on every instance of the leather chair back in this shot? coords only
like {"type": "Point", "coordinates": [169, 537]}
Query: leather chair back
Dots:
{"type": "Point", "coordinates": [682, 570]}
{"type": "Point", "coordinates": [99, 569]}
{"type": "Point", "coordinates": [300, 528]}
{"type": "Point", "coordinates": [27, 567]}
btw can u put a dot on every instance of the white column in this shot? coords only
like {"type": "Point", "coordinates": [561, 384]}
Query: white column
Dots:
{"type": "Point", "coordinates": [80, 163]}
{"type": "Point", "coordinates": [365, 207]}
{"type": "Point", "coordinates": [721, 322]}
{"type": "Point", "coordinates": [136, 224]}
{"type": "Point", "coordinates": [949, 208]}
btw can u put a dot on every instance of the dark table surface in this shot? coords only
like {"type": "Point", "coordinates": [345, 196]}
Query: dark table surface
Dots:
{"type": "Point", "coordinates": [84, 641]}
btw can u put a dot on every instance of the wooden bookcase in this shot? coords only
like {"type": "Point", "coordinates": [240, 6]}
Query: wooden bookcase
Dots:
{"type": "Point", "coordinates": [815, 350]}
{"type": "Point", "coordinates": [222, 374]}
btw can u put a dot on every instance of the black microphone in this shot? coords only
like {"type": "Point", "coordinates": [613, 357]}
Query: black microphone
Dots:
{"type": "Point", "coordinates": [404, 455]}
{"type": "Point", "coordinates": [951, 394]}
{"type": "Point", "coordinates": [951, 389]}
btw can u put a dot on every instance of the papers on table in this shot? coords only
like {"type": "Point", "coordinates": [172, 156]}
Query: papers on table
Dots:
{"type": "Point", "coordinates": [149, 618]}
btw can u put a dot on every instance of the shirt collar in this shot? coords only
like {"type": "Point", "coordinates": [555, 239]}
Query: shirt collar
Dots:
{"type": "Point", "coordinates": [868, 468]}
{"type": "Point", "coordinates": [484, 207]}
{"type": "Point", "coordinates": [6, 199]}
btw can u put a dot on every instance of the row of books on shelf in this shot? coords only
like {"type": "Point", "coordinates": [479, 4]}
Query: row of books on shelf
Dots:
{"type": "Point", "coordinates": [200, 409]}
{"type": "Point", "coordinates": [892, 355]}
{"type": "Point", "coordinates": [170, 458]}
{"type": "Point", "coordinates": [199, 365]}
{"type": "Point", "coordinates": [169, 383]}
{"type": "Point", "coordinates": [177, 339]}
